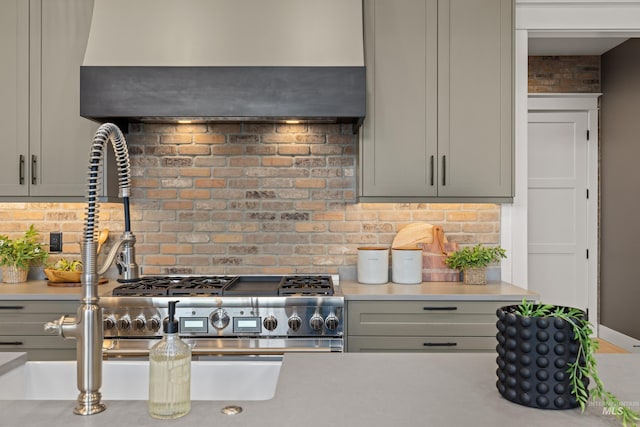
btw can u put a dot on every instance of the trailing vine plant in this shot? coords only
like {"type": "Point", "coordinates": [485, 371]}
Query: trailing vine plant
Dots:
{"type": "Point", "coordinates": [578, 372]}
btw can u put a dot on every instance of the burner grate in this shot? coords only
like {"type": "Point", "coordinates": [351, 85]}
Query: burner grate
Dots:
{"type": "Point", "coordinates": [195, 289]}
{"type": "Point", "coordinates": [150, 286]}
{"type": "Point", "coordinates": [306, 286]}
{"type": "Point", "coordinates": [141, 290]}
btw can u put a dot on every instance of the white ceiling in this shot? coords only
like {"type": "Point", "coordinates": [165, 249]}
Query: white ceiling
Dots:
{"type": "Point", "coordinates": [552, 45]}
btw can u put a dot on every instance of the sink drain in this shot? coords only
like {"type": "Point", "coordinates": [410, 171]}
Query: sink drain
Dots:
{"type": "Point", "coordinates": [231, 410]}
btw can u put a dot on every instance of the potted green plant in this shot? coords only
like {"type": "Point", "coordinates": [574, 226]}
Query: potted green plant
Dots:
{"type": "Point", "coordinates": [473, 262]}
{"type": "Point", "coordinates": [546, 360]}
{"type": "Point", "coordinates": [16, 256]}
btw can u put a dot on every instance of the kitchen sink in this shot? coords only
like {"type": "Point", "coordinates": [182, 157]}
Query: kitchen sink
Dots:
{"type": "Point", "coordinates": [129, 380]}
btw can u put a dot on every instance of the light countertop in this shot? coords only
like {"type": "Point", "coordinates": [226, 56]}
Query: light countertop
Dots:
{"type": "Point", "coordinates": [361, 389]}
{"type": "Point", "coordinates": [352, 290]}
{"type": "Point", "coordinates": [40, 290]}
{"type": "Point", "coordinates": [449, 291]}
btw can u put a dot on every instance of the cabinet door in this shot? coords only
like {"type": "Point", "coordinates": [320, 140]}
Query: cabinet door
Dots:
{"type": "Point", "coordinates": [14, 101]}
{"type": "Point", "coordinates": [398, 138]}
{"type": "Point", "coordinates": [60, 139]}
{"type": "Point", "coordinates": [475, 98]}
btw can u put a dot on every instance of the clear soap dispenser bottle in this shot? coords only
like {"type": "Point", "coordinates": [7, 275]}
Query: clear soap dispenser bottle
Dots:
{"type": "Point", "coordinates": [170, 372]}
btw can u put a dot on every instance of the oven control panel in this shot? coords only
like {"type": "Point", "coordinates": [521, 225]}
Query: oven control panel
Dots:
{"type": "Point", "coordinates": [300, 320]}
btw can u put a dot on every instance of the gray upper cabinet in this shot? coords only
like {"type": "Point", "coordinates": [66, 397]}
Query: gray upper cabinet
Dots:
{"type": "Point", "coordinates": [439, 110]}
{"type": "Point", "coordinates": [14, 101]}
{"type": "Point", "coordinates": [48, 143]}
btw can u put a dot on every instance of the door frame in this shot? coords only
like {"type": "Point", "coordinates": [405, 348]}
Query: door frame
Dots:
{"type": "Point", "coordinates": [586, 103]}
{"type": "Point", "coordinates": [571, 18]}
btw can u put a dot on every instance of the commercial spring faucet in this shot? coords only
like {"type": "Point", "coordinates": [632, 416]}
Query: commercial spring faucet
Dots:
{"type": "Point", "coordinates": [86, 327]}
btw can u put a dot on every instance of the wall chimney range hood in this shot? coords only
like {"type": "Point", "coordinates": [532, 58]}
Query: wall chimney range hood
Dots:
{"type": "Point", "coordinates": [224, 60]}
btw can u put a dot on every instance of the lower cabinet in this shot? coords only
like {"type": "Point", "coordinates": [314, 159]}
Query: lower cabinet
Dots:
{"type": "Point", "coordinates": [422, 326]}
{"type": "Point", "coordinates": [22, 329]}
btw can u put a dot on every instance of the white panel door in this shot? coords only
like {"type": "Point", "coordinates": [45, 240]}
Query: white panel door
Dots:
{"type": "Point", "coordinates": [557, 200]}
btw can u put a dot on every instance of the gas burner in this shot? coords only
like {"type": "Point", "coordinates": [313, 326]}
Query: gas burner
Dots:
{"type": "Point", "coordinates": [140, 289]}
{"type": "Point", "coordinates": [187, 286]}
{"type": "Point", "coordinates": [175, 285]}
{"type": "Point", "coordinates": [196, 289]}
{"type": "Point", "coordinates": [306, 286]}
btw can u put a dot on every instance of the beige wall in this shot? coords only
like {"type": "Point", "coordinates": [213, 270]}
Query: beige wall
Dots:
{"type": "Point", "coordinates": [249, 198]}
{"type": "Point", "coordinates": [620, 194]}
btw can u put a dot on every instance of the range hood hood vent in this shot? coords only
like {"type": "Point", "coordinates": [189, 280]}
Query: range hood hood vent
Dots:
{"type": "Point", "coordinates": [224, 60]}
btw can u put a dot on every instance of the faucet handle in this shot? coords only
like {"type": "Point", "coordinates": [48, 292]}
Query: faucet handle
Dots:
{"type": "Point", "coordinates": [126, 261]}
{"type": "Point", "coordinates": [65, 326]}
{"type": "Point", "coordinates": [54, 326]}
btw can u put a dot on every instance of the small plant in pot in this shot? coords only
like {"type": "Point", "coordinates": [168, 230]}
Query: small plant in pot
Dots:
{"type": "Point", "coordinates": [546, 360]}
{"type": "Point", "coordinates": [473, 262]}
{"type": "Point", "coordinates": [16, 256]}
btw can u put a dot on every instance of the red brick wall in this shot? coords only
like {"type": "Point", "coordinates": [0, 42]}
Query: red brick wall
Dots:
{"type": "Point", "coordinates": [249, 198]}
{"type": "Point", "coordinates": [564, 74]}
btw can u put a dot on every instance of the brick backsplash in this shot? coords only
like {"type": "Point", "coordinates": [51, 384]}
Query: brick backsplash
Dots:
{"type": "Point", "coordinates": [564, 74]}
{"type": "Point", "coordinates": [249, 198]}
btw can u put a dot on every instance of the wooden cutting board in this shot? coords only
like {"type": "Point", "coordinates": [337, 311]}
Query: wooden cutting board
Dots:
{"type": "Point", "coordinates": [411, 235]}
{"type": "Point", "coordinates": [101, 281]}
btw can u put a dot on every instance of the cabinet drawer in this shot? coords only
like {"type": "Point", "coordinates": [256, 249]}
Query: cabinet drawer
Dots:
{"type": "Point", "coordinates": [23, 343]}
{"type": "Point", "coordinates": [55, 307]}
{"type": "Point", "coordinates": [25, 324]}
{"type": "Point", "coordinates": [420, 344]}
{"type": "Point", "coordinates": [47, 354]}
{"type": "Point", "coordinates": [423, 318]}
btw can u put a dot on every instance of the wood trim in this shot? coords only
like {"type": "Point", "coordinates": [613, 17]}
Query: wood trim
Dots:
{"type": "Point", "coordinates": [228, 93]}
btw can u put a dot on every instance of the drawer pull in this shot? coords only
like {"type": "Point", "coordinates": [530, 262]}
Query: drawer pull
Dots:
{"type": "Point", "coordinates": [11, 343]}
{"type": "Point", "coordinates": [21, 169]}
{"type": "Point", "coordinates": [11, 307]}
{"type": "Point", "coordinates": [440, 308]}
{"type": "Point", "coordinates": [444, 170]}
{"type": "Point", "coordinates": [440, 344]}
{"type": "Point", "coordinates": [432, 170]}
{"type": "Point", "coordinates": [34, 169]}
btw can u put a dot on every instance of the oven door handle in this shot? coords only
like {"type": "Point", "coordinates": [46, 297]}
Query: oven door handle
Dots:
{"type": "Point", "coordinates": [139, 347]}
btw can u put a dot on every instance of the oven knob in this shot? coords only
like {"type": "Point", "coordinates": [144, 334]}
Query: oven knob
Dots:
{"type": "Point", "coordinates": [332, 322]}
{"type": "Point", "coordinates": [109, 323]}
{"type": "Point", "coordinates": [219, 319]}
{"type": "Point", "coordinates": [139, 323]}
{"type": "Point", "coordinates": [295, 322]}
{"type": "Point", "coordinates": [153, 324]}
{"type": "Point", "coordinates": [270, 323]}
{"type": "Point", "coordinates": [124, 322]}
{"type": "Point", "coordinates": [316, 322]}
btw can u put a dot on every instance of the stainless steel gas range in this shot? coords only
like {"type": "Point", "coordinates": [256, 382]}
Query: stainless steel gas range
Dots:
{"type": "Point", "coordinates": [226, 315]}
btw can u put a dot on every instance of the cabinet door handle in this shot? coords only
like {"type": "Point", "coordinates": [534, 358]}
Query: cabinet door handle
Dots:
{"type": "Point", "coordinates": [11, 343]}
{"type": "Point", "coordinates": [432, 169]}
{"type": "Point", "coordinates": [34, 169]}
{"type": "Point", "coordinates": [21, 169]}
{"type": "Point", "coordinates": [444, 170]}
{"type": "Point", "coordinates": [439, 308]}
{"type": "Point", "coordinates": [11, 307]}
{"type": "Point", "coordinates": [440, 344]}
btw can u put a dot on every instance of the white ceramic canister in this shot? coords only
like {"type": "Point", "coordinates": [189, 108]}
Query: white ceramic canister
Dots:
{"type": "Point", "coordinates": [373, 265]}
{"type": "Point", "coordinates": [406, 265]}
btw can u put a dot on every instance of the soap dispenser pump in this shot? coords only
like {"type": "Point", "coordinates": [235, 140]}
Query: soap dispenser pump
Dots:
{"type": "Point", "coordinates": [170, 372]}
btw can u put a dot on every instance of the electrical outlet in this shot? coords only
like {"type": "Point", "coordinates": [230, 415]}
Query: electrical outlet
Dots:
{"type": "Point", "coordinates": [55, 241]}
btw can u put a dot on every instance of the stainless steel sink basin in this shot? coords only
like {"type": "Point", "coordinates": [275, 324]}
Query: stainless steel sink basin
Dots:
{"type": "Point", "coordinates": [129, 380]}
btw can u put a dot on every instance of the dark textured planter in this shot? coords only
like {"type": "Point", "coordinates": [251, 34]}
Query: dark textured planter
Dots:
{"type": "Point", "coordinates": [533, 357]}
